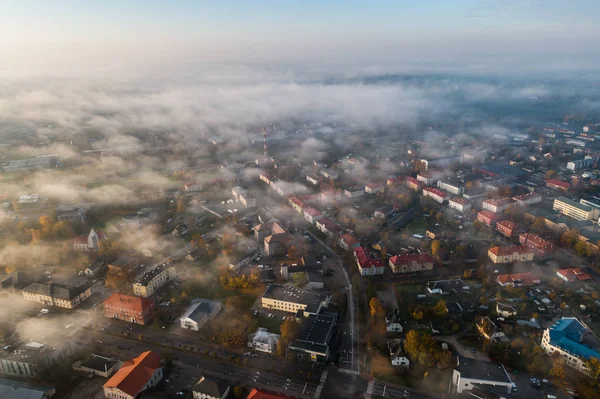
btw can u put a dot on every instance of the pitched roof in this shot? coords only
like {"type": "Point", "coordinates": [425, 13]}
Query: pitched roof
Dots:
{"type": "Point", "coordinates": [260, 394]}
{"type": "Point", "coordinates": [365, 259]}
{"type": "Point", "coordinates": [513, 249]}
{"type": "Point", "coordinates": [575, 274]}
{"type": "Point", "coordinates": [487, 214]}
{"type": "Point", "coordinates": [436, 191]}
{"type": "Point", "coordinates": [508, 224]}
{"type": "Point", "coordinates": [213, 388]}
{"type": "Point", "coordinates": [459, 200]}
{"type": "Point", "coordinates": [525, 278]}
{"type": "Point", "coordinates": [559, 183]}
{"type": "Point", "coordinates": [134, 374]}
{"type": "Point", "coordinates": [406, 259]}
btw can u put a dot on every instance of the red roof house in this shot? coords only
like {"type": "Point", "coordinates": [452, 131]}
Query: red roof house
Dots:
{"type": "Point", "coordinates": [135, 376]}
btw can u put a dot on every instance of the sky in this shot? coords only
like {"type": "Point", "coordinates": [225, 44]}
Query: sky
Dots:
{"type": "Point", "coordinates": [52, 36]}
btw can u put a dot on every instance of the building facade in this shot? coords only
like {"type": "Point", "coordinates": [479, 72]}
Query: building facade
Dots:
{"type": "Point", "coordinates": [367, 265]}
{"type": "Point", "coordinates": [575, 210]}
{"type": "Point", "coordinates": [129, 308]}
{"type": "Point", "coordinates": [409, 263]}
{"type": "Point", "coordinates": [571, 339]}
{"type": "Point", "coordinates": [151, 280]}
{"type": "Point", "coordinates": [516, 253]}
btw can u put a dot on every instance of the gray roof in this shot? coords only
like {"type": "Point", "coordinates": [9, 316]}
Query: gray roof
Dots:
{"type": "Point", "coordinates": [10, 389]}
{"type": "Point", "coordinates": [65, 291]}
{"type": "Point", "coordinates": [208, 386]}
{"type": "Point", "coordinates": [481, 370]}
{"type": "Point", "coordinates": [199, 308]}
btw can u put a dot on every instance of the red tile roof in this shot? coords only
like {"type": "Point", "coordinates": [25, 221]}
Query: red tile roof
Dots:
{"type": "Point", "coordinates": [436, 191]}
{"type": "Point", "coordinates": [412, 180]}
{"type": "Point", "coordinates": [297, 201]}
{"type": "Point", "coordinates": [133, 375]}
{"type": "Point", "coordinates": [525, 197]}
{"type": "Point", "coordinates": [312, 212]}
{"type": "Point", "coordinates": [507, 224]}
{"type": "Point", "coordinates": [524, 278]}
{"type": "Point", "coordinates": [365, 260]}
{"type": "Point", "coordinates": [487, 214]}
{"type": "Point", "coordinates": [329, 224]}
{"type": "Point", "coordinates": [459, 200]}
{"type": "Point", "coordinates": [575, 274]}
{"type": "Point", "coordinates": [514, 249]}
{"type": "Point", "coordinates": [80, 240]}
{"type": "Point", "coordinates": [498, 202]}
{"type": "Point", "coordinates": [559, 183]}
{"type": "Point", "coordinates": [348, 239]}
{"type": "Point", "coordinates": [375, 185]}
{"type": "Point", "coordinates": [260, 394]}
{"type": "Point", "coordinates": [406, 259]}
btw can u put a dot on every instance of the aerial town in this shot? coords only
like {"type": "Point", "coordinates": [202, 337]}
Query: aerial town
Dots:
{"type": "Point", "coordinates": [300, 200]}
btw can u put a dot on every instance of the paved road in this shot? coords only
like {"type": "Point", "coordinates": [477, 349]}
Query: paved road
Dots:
{"type": "Point", "coordinates": [381, 388]}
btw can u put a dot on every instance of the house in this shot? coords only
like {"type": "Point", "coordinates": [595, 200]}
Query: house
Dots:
{"type": "Point", "coordinates": [497, 205]}
{"type": "Point", "coordinates": [198, 313]}
{"type": "Point", "coordinates": [367, 265]}
{"type": "Point", "coordinates": [312, 343]}
{"type": "Point", "coordinates": [505, 310]}
{"type": "Point", "coordinates": [393, 322]}
{"type": "Point", "coordinates": [487, 217]}
{"type": "Point", "coordinates": [374, 188]}
{"type": "Point", "coordinates": [329, 174]}
{"type": "Point", "coordinates": [348, 242]}
{"type": "Point", "coordinates": [261, 394]}
{"type": "Point", "coordinates": [312, 215]}
{"type": "Point", "coordinates": [330, 195]}
{"type": "Point", "coordinates": [192, 186]}
{"type": "Point", "coordinates": [397, 355]}
{"type": "Point", "coordinates": [97, 267]}
{"type": "Point", "coordinates": [296, 203]}
{"type": "Point", "coordinates": [134, 377]}
{"type": "Point", "coordinates": [435, 194]}
{"type": "Point", "coordinates": [312, 178]}
{"type": "Point", "coordinates": [314, 280]}
{"type": "Point", "coordinates": [354, 192]}
{"type": "Point", "coordinates": [527, 199]}
{"type": "Point", "coordinates": [575, 210]}
{"type": "Point", "coordinates": [428, 178]}
{"type": "Point", "coordinates": [277, 244]}
{"type": "Point", "coordinates": [451, 186]}
{"type": "Point", "coordinates": [11, 389]}
{"type": "Point", "coordinates": [89, 243]}
{"type": "Point", "coordinates": [266, 177]}
{"type": "Point", "coordinates": [209, 388]}
{"type": "Point", "coordinates": [68, 295]}
{"type": "Point", "coordinates": [98, 365]}
{"type": "Point", "coordinates": [28, 359]}
{"type": "Point", "coordinates": [506, 227]}
{"type": "Point", "coordinates": [72, 213]}
{"type": "Point", "coordinates": [290, 299]}
{"type": "Point", "coordinates": [412, 183]}
{"type": "Point", "coordinates": [266, 229]}
{"type": "Point", "coordinates": [558, 185]}
{"type": "Point", "coordinates": [408, 263]}
{"type": "Point", "coordinates": [180, 230]}
{"type": "Point", "coordinates": [382, 212]}
{"type": "Point", "coordinates": [515, 253]}
{"type": "Point", "coordinates": [129, 308]}
{"type": "Point", "coordinates": [328, 227]}
{"type": "Point", "coordinates": [490, 331]}
{"type": "Point", "coordinates": [262, 340]}
{"type": "Point", "coordinates": [517, 280]}
{"type": "Point", "coordinates": [573, 340]}
{"type": "Point", "coordinates": [460, 204]}
{"type": "Point", "coordinates": [242, 196]}
{"type": "Point", "coordinates": [445, 287]}
{"type": "Point", "coordinates": [147, 282]}
{"type": "Point", "coordinates": [480, 379]}
{"type": "Point", "coordinates": [544, 249]}
{"type": "Point", "coordinates": [574, 274]}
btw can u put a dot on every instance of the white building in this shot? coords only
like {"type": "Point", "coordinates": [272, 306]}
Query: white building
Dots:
{"type": "Point", "coordinates": [151, 280]}
{"type": "Point", "coordinates": [209, 388]}
{"type": "Point", "coordinates": [498, 205]}
{"type": "Point", "coordinates": [354, 192]}
{"type": "Point", "coordinates": [329, 174]}
{"type": "Point", "coordinates": [575, 210]}
{"type": "Point", "coordinates": [572, 340]}
{"type": "Point", "coordinates": [435, 194]}
{"type": "Point", "coordinates": [199, 313]}
{"type": "Point", "coordinates": [134, 377]}
{"type": "Point", "coordinates": [263, 341]}
{"type": "Point", "coordinates": [452, 187]}
{"type": "Point", "coordinates": [374, 188]}
{"type": "Point", "coordinates": [476, 376]}
{"type": "Point", "coordinates": [397, 356]}
{"type": "Point", "coordinates": [460, 204]}
{"type": "Point", "coordinates": [89, 243]}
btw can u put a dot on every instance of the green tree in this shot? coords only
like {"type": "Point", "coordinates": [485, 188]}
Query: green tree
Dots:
{"type": "Point", "coordinates": [300, 279]}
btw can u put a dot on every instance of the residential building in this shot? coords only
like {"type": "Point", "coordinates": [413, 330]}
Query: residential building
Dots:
{"type": "Point", "coordinates": [481, 379]}
{"type": "Point", "coordinates": [72, 213]}
{"type": "Point", "coordinates": [28, 359]}
{"type": "Point", "coordinates": [506, 227]}
{"type": "Point", "coordinates": [134, 377]}
{"type": "Point", "coordinates": [312, 343]}
{"type": "Point", "coordinates": [354, 192]}
{"type": "Point", "coordinates": [210, 388]}
{"type": "Point", "coordinates": [435, 194]}
{"type": "Point", "coordinates": [129, 308]}
{"type": "Point", "coordinates": [68, 295]}
{"type": "Point", "coordinates": [586, 163]}
{"type": "Point", "coordinates": [574, 209]}
{"type": "Point", "coordinates": [297, 204]}
{"type": "Point", "coordinates": [266, 177]}
{"type": "Point", "coordinates": [329, 174]}
{"type": "Point", "coordinates": [397, 355]}
{"type": "Point", "coordinates": [497, 205]}
{"type": "Point", "coordinates": [122, 266]}
{"type": "Point", "coordinates": [451, 186]}
{"type": "Point", "coordinates": [490, 331]}
{"type": "Point", "coordinates": [412, 183]}
{"type": "Point", "coordinates": [517, 280]}
{"type": "Point", "coordinates": [263, 230]}
{"type": "Point", "coordinates": [262, 340]}
{"type": "Point", "coordinates": [460, 204]}
{"type": "Point", "coordinates": [89, 243]}
{"type": "Point", "coordinates": [573, 274]}
{"type": "Point", "coordinates": [242, 196]}
{"type": "Point", "coordinates": [374, 188]}
{"type": "Point", "coordinates": [97, 267]}
{"type": "Point", "coordinates": [593, 202]}
{"type": "Point", "coordinates": [441, 161]}
{"type": "Point", "coordinates": [348, 242]}
{"type": "Point", "coordinates": [290, 299]}
{"type": "Point", "coordinates": [527, 199]}
{"type": "Point", "coordinates": [558, 185]}
{"type": "Point", "coordinates": [428, 178]}
{"type": "Point", "coordinates": [367, 265]}
{"type": "Point", "coordinates": [505, 310]}
{"type": "Point", "coordinates": [392, 181]}
{"type": "Point", "coordinates": [151, 280]}
{"type": "Point", "coordinates": [330, 195]}
{"type": "Point", "coordinates": [544, 249]}
{"type": "Point", "coordinates": [312, 178]}
{"type": "Point", "coordinates": [98, 365]}
{"type": "Point", "coordinates": [573, 340]}
{"type": "Point", "coordinates": [199, 313]}
{"type": "Point", "coordinates": [409, 263]}
{"type": "Point", "coordinates": [180, 230]}
{"type": "Point", "coordinates": [328, 227]}
{"type": "Point", "coordinates": [393, 322]}
{"type": "Point", "coordinates": [515, 253]}
{"type": "Point", "coordinates": [192, 186]}
{"type": "Point", "coordinates": [277, 244]}
{"type": "Point", "coordinates": [312, 215]}
{"type": "Point", "coordinates": [444, 287]}
{"type": "Point", "coordinates": [487, 217]}
{"type": "Point", "coordinates": [11, 389]}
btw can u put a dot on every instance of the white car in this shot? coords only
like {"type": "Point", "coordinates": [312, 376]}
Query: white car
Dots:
{"type": "Point", "coordinates": [44, 311]}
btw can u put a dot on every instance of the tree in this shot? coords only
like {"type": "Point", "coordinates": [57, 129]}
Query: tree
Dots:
{"type": "Point", "coordinates": [558, 367]}
{"type": "Point", "coordinates": [468, 273]}
{"type": "Point", "coordinates": [62, 229]}
{"type": "Point", "coordinates": [289, 330]}
{"type": "Point", "coordinates": [582, 248]}
{"type": "Point", "coordinates": [593, 366]}
{"type": "Point", "coordinates": [300, 279]}
{"type": "Point", "coordinates": [435, 247]}
{"type": "Point", "coordinates": [238, 392]}
{"type": "Point", "coordinates": [376, 307]}
{"type": "Point", "coordinates": [46, 222]}
{"type": "Point", "coordinates": [108, 248]}
{"type": "Point", "coordinates": [440, 308]}
{"type": "Point", "coordinates": [417, 315]}
{"type": "Point", "coordinates": [551, 174]}
{"type": "Point", "coordinates": [181, 204]}
{"type": "Point", "coordinates": [539, 223]}
{"type": "Point", "coordinates": [198, 240]}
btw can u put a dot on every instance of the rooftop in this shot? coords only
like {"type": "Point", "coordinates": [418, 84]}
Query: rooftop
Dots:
{"type": "Point", "coordinates": [215, 388]}
{"type": "Point", "coordinates": [575, 274]}
{"type": "Point", "coordinates": [315, 333]}
{"type": "Point", "coordinates": [365, 259]}
{"type": "Point", "coordinates": [435, 191]}
{"type": "Point", "coordinates": [574, 204]}
{"type": "Point", "coordinates": [481, 370]}
{"type": "Point", "coordinates": [523, 278]}
{"type": "Point", "coordinates": [292, 294]}
{"type": "Point", "coordinates": [405, 259]}
{"type": "Point", "coordinates": [65, 291]}
{"type": "Point", "coordinates": [558, 183]}
{"type": "Point", "coordinates": [512, 250]}
{"type": "Point", "coordinates": [10, 389]}
{"type": "Point", "coordinates": [199, 308]}
{"type": "Point", "coordinates": [99, 363]}
{"type": "Point", "coordinates": [145, 277]}
{"type": "Point", "coordinates": [134, 374]}
{"type": "Point", "coordinates": [128, 302]}
{"type": "Point", "coordinates": [572, 335]}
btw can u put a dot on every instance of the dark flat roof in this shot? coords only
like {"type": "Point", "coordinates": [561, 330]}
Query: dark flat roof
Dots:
{"type": "Point", "coordinates": [292, 294]}
{"type": "Point", "coordinates": [481, 370]}
{"type": "Point", "coordinates": [98, 362]}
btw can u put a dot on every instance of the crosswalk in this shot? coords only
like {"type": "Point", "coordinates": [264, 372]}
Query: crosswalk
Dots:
{"type": "Point", "coordinates": [348, 371]}
{"type": "Point", "coordinates": [321, 384]}
{"type": "Point", "coordinates": [370, 387]}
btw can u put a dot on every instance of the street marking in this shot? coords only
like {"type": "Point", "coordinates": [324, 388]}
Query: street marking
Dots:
{"type": "Point", "coordinates": [322, 383]}
{"type": "Point", "coordinates": [370, 387]}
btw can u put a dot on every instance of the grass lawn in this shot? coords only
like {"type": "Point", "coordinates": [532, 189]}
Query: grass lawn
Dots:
{"type": "Point", "coordinates": [418, 225]}
{"type": "Point", "coordinates": [271, 324]}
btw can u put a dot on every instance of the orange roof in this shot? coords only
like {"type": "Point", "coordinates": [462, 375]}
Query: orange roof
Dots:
{"type": "Point", "coordinates": [507, 224]}
{"type": "Point", "coordinates": [133, 375]}
{"type": "Point", "coordinates": [259, 394]}
{"type": "Point", "coordinates": [524, 278]}
{"type": "Point", "coordinates": [515, 249]}
{"type": "Point", "coordinates": [575, 274]}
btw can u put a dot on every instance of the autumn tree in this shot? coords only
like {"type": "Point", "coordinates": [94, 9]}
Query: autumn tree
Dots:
{"type": "Point", "coordinates": [289, 329]}
{"type": "Point", "coordinates": [181, 204]}
{"type": "Point", "coordinates": [436, 245]}
{"type": "Point", "coordinates": [376, 307]}
{"type": "Point", "coordinates": [558, 367]}
{"type": "Point", "coordinates": [300, 279]}
{"type": "Point", "coordinates": [440, 308]}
